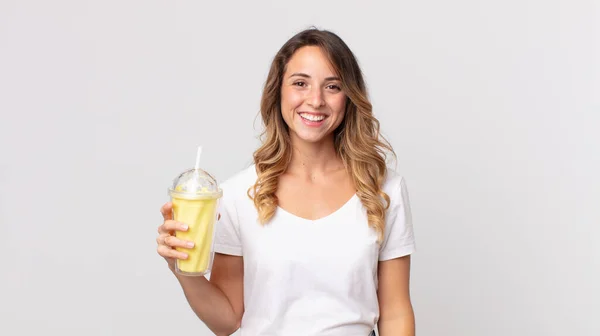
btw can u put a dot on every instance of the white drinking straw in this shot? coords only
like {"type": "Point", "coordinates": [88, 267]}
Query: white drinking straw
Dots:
{"type": "Point", "coordinates": [198, 157]}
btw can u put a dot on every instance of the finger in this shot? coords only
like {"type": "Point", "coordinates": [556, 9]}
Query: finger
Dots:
{"type": "Point", "coordinates": [166, 252]}
{"type": "Point", "coordinates": [176, 242]}
{"type": "Point", "coordinates": [167, 211]}
{"type": "Point", "coordinates": [164, 228]}
{"type": "Point", "coordinates": [171, 225]}
{"type": "Point", "coordinates": [161, 239]}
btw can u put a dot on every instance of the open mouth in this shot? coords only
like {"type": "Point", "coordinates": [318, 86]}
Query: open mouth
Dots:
{"type": "Point", "coordinates": [312, 119]}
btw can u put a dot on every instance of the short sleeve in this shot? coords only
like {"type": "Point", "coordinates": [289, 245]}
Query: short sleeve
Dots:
{"type": "Point", "coordinates": [227, 231]}
{"type": "Point", "coordinates": [398, 240]}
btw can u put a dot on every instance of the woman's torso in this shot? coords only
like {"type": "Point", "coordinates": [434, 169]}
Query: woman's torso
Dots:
{"type": "Point", "coordinates": [302, 276]}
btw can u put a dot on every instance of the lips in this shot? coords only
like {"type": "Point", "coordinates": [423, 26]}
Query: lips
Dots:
{"type": "Point", "coordinates": [312, 116]}
{"type": "Point", "coordinates": [312, 119]}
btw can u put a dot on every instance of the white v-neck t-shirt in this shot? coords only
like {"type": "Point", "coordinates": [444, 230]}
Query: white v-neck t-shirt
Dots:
{"type": "Point", "coordinates": [310, 277]}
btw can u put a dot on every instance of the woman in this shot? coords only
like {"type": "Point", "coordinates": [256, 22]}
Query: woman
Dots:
{"type": "Point", "coordinates": [314, 238]}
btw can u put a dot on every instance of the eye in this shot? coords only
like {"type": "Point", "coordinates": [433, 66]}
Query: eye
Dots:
{"type": "Point", "coordinates": [334, 87]}
{"type": "Point", "coordinates": [300, 84]}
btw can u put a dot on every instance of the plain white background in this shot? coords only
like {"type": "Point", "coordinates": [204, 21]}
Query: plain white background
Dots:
{"type": "Point", "coordinates": [492, 107]}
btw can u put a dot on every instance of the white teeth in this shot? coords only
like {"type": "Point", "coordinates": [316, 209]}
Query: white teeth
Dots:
{"type": "Point", "coordinates": [312, 117]}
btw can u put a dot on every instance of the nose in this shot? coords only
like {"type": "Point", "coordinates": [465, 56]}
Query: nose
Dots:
{"type": "Point", "coordinates": [315, 98]}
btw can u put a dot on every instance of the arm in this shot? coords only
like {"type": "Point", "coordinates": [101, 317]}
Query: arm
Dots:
{"type": "Point", "coordinates": [395, 308]}
{"type": "Point", "coordinates": [219, 303]}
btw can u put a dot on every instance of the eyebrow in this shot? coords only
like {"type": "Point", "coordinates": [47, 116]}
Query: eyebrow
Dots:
{"type": "Point", "coordinates": [300, 74]}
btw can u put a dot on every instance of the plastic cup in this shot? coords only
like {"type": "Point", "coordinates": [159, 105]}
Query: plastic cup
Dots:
{"type": "Point", "coordinates": [195, 195]}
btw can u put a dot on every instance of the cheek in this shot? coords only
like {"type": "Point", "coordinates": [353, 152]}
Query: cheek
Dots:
{"type": "Point", "coordinates": [339, 105]}
{"type": "Point", "coordinates": [290, 99]}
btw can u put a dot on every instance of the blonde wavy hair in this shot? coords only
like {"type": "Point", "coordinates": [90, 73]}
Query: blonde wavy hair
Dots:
{"type": "Point", "coordinates": [358, 141]}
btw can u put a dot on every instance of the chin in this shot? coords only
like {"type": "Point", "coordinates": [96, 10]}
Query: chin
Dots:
{"type": "Point", "coordinates": [310, 137]}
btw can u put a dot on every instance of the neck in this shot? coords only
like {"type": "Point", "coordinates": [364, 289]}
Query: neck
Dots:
{"type": "Point", "coordinates": [310, 159]}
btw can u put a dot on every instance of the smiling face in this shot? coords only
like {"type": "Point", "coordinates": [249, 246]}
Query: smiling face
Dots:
{"type": "Point", "coordinates": [312, 101]}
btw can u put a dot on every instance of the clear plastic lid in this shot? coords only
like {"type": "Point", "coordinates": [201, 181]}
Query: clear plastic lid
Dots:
{"type": "Point", "coordinates": [195, 184]}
